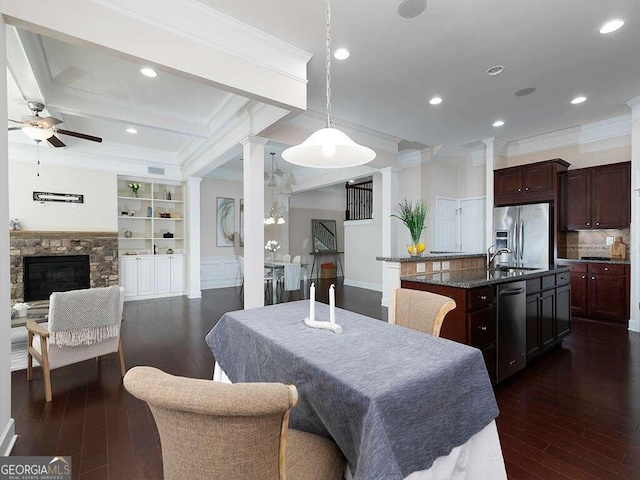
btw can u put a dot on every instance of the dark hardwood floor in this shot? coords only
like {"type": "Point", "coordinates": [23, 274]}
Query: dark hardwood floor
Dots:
{"type": "Point", "coordinates": [571, 415]}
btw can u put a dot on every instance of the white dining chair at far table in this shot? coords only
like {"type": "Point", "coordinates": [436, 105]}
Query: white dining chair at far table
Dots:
{"type": "Point", "coordinates": [269, 280]}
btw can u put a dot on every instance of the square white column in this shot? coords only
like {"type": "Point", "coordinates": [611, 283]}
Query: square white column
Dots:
{"type": "Point", "coordinates": [193, 237]}
{"type": "Point", "coordinates": [390, 272]}
{"type": "Point", "coordinates": [253, 177]}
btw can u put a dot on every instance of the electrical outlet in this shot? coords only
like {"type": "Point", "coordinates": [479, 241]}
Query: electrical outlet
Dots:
{"type": "Point", "coordinates": [445, 265]}
{"type": "Point", "coordinates": [436, 266]}
{"type": "Point", "coordinates": [421, 267]}
{"type": "Point", "coordinates": [609, 241]}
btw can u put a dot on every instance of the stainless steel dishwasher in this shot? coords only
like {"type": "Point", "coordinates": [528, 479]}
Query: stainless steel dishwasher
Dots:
{"type": "Point", "coordinates": [512, 329]}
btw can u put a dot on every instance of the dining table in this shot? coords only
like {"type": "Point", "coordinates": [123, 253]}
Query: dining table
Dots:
{"type": "Point", "coordinates": [277, 271]}
{"type": "Point", "coordinates": [400, 404]}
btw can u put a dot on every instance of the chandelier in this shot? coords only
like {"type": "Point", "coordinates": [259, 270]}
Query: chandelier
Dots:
{"type": "Point", "coordinates": [275, 179]}
{"type": "Point", "coordinates": [328, 147]}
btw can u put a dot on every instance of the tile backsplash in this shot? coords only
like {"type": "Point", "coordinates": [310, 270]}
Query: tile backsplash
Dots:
{"type": "Point", "coordinates": [585, 243]}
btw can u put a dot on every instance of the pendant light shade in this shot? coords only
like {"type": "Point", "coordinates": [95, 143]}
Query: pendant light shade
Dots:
{"type": "Point", "coordinates": [328, 148]}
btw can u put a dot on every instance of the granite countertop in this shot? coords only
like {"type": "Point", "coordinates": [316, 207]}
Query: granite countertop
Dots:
{"type": "Point", "coordinates": [599, 260]}
{"type": "Point", "coordinates": [479, 277]}
{"type": "Point", "coordinates": [427, 257]}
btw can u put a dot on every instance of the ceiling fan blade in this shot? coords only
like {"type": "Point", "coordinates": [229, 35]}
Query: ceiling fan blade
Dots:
{"type": "Point", "coordinates": [79, 135]}
{"type": "Point", "coordinates": [51, 121]}
{"type": "Point", "coordinates": [55, 141]}
{"type": "Point", "coordinates": [14, 128]}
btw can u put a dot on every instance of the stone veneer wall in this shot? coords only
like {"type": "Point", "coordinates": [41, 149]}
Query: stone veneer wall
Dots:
{"type": "Point", "coordinates": [102, 248]}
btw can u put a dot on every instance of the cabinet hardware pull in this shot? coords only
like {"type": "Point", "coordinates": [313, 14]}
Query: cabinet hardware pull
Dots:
{"type": "Point", "coordinates": [483, 297]}
{"type": "Point", "coordinates": [527, 189]}
{"type": "Point", "coordinates": [606, 269]}
{"type": "Point", "coordinates": [519, 189]}
{"type": "Point", "coordinates": [584, 276]}
{"type": "Point", "coordinates": [593, 278]}
{"type": "Point", "coordinates": [483, 328]}
{"type": "Point", "coordinates": [588, 224]}
{"type": "Point", "coordinates": [597, 223]}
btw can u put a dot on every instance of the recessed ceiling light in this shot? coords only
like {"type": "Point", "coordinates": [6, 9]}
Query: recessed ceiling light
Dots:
{"type": "Point", "coordinates": [341, 54]}
{"type": "Point", "coordinates": [495, 70]}
{"type": "Point", "coordinates": [498, 123]}
{"type": "Point", "coordinates": [131, 130]}
{"type": "Point", "coordinates": [525, 91]}
{"type": "Point", "coordinates": [435, 101]}
{"type": "Point", "coordinates": [148, 72]}
{"type": "Point", "coordinates": [578, 100]}
{"type": "Point", "coordinates": [611, 26]}
{"type": "Point", "coordinates": [411, 8]}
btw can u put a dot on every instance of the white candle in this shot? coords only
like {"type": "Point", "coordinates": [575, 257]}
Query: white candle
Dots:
{"type": "Point", "coordinates": [312, 302]}
{"type": "Point", "coordinates": [332, 305]}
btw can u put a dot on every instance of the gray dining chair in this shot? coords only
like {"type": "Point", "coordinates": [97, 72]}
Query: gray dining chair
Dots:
{"type": "Point", "coordinates": [268, 279]}
{"type": "Point", "coordinates": [421, 311]}
{"type": "Point", "coordinates": [231, 431]}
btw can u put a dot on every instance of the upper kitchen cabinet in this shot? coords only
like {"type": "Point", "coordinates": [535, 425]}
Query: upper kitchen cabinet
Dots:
{"type": "Point", "coordinates": [599, 197]}
{"type": "Point", "coordinates": [536, 182]}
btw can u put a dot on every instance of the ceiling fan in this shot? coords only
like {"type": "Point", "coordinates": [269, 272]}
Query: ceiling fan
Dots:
{"type": "Point", "coordinates": [44, 128]}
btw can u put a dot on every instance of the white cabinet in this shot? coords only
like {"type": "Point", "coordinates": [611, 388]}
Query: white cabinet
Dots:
{"type": "Point", "coordinates": [148, 276]}
{"type": "Point", "coordinates": [163, 275]}
{"type": "Point", "coordinates": [177, 273]}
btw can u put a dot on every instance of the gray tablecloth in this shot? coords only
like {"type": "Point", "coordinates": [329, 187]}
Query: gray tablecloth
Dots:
{"type": "Point", "coordinates": [393, 399]}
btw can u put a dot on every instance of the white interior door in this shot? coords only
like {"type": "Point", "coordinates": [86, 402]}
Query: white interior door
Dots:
{"type": "Point", "coordinates": [446, 224]}
{"type": "Point", "coordinates": [472, 225]}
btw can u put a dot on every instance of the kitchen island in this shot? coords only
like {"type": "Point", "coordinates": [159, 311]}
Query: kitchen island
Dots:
{"type": "Point", "coordinates": [476, 320]}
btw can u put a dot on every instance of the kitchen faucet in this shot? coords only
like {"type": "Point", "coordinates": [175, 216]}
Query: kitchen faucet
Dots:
{"type": "Point", "coordinates": [491, 257]}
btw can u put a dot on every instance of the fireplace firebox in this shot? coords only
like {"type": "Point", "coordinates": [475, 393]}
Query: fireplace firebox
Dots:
{"type": "Point", "coordinates": [48, 274]}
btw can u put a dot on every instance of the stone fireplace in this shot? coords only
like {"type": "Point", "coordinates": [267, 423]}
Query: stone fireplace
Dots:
{"type": "Point", "coordinates": [100, 247]}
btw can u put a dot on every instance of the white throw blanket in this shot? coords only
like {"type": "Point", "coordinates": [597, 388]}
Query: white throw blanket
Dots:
{"type": "Point", "coordinates": [84, 317]}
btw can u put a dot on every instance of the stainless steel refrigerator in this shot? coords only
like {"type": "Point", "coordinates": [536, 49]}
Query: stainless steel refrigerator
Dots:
{"type": "Point", "coordinates": [527, 230]}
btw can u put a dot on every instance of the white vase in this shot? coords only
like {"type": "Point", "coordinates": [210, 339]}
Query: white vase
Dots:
{"type": "Point", "coordinates": [21, 313]}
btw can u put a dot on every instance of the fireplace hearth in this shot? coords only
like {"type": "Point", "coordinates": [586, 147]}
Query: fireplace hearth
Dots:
{"type": "Point", "coordinates": [48, 274]}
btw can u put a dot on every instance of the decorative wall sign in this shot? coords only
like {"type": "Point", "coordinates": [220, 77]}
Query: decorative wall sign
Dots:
{"type": "Point", "coordinates": [225, 222]}
{"type": "Point", "coordinates": [58, 197]}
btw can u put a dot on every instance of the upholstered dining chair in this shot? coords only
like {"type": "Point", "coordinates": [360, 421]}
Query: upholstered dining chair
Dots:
{"type": "Point", "coordinates": [421, 311]}
{"type": "Point", "coordinates": [286, 258]}
{"type": "Point", "coordinates": [297, 259]}
{"type": "Point", "coordinates": [231, 431]}
{"type": "Point", "coordinates": [51, 356]}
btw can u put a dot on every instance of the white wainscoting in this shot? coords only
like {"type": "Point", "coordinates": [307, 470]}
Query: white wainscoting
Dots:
{"type": "Point", "coordinates": [219, 272]}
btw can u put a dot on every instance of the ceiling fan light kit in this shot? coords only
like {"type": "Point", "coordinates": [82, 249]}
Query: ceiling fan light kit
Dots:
{"type": "Point", "coordinates": [39, 128]}
{"type": "Point", "coordinates": [328, 147]}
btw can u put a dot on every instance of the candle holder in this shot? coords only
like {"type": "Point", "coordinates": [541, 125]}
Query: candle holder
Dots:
{"type": "Point", "coordinates": [335, 328]}
{"type": "Point", "coordinates": [311, 321]}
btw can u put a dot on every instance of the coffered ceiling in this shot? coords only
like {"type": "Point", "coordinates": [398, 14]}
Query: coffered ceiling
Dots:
{"type": "Point", "coordinates": [397, 64]}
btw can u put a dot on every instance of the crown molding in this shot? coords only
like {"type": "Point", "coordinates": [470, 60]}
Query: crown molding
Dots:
{"type": "Point", "coordinates": [579, 135]}
{"type": "Point", "coordinates": [198, 22]}
{"type": "Point", "coordinates": [123, 164]}
{"type": "Point", "coordinates": [634, 105]}
{"type": "Point", "coordinates": [411, 158]}
{"type": "Point", "coordinates": [312, 121]}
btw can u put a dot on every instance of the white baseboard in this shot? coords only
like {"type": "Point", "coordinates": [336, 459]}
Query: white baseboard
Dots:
{"type": "Point", "coordinates": [155, 295]}
{"type": "Point", "coordinates": [222, 283]}
{"type": "Point", "coordinates": [368, 286]}
{"type": "Point", "coordinates": [8, 438]}
{"type": "Point", "coordinates": [194, 295]}
{"type": "Point", "coordinates": [634, 325]}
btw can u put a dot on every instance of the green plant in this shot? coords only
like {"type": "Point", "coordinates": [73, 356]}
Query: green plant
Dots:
{"type": "Point", "coordinates": [413, 216]}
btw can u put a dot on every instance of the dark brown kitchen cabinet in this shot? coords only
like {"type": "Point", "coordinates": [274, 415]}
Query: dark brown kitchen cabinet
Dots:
{"type": "Point", "coordinates": [534, 347]}
{"type": "Point", "coordinates": [599, 197]}
{"type": "Point", "coordinates": [536, 182]}
{"type": "Point", "coordinates": [578, 207]}
{"type": "Point", "coordinates": [563, 312]}
{"type": "Point", "coordinates": [600, 290]}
